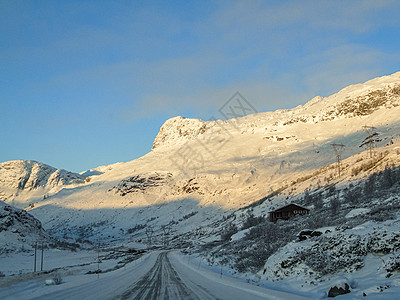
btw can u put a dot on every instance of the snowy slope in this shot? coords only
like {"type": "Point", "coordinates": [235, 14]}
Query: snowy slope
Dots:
{"type": "Point", "coordinates": [23, 181]}
{"type": "Point", "coordinates": [19, 230]}
{"type": "Point", "coordinates": [198, 171]}
{"type": "Point", "coordinates": [366, 257]}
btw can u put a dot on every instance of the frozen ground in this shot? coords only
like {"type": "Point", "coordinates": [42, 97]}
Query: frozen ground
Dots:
{"type": "Point", "coordinates": [23, 262]}
{"type": "Point", "coordinates": [157, 275]}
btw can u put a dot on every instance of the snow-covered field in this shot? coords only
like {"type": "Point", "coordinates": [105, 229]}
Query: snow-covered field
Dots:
{"type": "Point", "coordinates": [75, 281]}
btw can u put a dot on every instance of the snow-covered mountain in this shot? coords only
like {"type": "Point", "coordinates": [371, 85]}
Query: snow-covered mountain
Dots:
{"type": "Point", "coordinates": [209, 185]}
{"type": "Point", "coordinates": [19, 229]}
{"type": "Point", "coordinates": [207, 169]}
{"type": "Point", "coordinates": [27, 180]}
{"type": "Point", "coordinates": [180, 130]}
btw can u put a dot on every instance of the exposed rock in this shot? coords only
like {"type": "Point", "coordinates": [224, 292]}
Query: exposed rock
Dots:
{"type": "Point", "coordinates": [340, 288]}
{"type": "Point", "coordinates": [141, 182]}
{"type": "Point", "coordinates": [179, 129]}
{"type": "Point", "coordinates": [19, 228]}
{"type": "Point", "coordinates": [305, 234]}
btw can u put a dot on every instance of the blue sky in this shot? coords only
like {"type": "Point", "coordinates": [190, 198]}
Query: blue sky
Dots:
{"type": "Point", "coordinates": [87, 83]}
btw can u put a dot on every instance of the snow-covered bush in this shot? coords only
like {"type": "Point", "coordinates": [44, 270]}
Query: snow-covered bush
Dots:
{"type": "Point", "coordinates": [259, 243]}
{"type": "Point", "coordinates": [392, 263]}
{"type": "Point", "coordinates": [328, 253]}
{"type": "Point", "coordinates": [353, 195]}
{"type": "Point", "coordinates": [383, 242]}
{"type": "Point", "coordinates": [388, 178]}
{"type": "Point", "coordinates": [57, 279]}
{"type": "Point", "coordinates": [136, 228]}
{"type": "Point", "coordinates": [230, 230]}
{"type": "Point", "coordinates": [253, 258]}
{"type": "Point", "coordinates": [370, 186]}
{"type": "Point", "coordinates": [337, 251]}
{"type": "Point", "coordinates": [251, 221]}
{"type": "Point", "coordinates": [334, 252]}
{"type": "Point", "coordinates": [381, 213]}
{"type": "Point", "coordinates": [318, 201]}
{"type": "Point", "coordinates": [334, 205]}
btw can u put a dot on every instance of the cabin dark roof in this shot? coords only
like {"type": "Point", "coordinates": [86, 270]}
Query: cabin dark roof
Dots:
{"type": "Point", "coordinates": [290, 207]}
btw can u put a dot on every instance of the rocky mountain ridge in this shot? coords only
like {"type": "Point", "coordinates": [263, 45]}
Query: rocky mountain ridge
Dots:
{"type": "Point", "coordinates": [179, 129]}
{"type": "Point", "coordinates": [351, 102]}
{"type": "Point", "coordinates": [19, 229]}
{"type": "Point", "coordinates": [20, 176]}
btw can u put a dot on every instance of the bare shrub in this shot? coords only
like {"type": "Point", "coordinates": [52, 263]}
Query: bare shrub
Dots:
{"type": "Point", "coordinates": [230, 230]}
{"type": "Point", "coordinates": [57, 279]}
{"type": "Point", "coordinates": [335, 204]}
{"type": "Point", "coordinates": [252, 221]}
{"type": "Point", "coordinates": [353, 195]}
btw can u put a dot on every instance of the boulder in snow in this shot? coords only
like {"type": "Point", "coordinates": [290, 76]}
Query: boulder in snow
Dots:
{"type": "Point", "coordinates": [341, 287]}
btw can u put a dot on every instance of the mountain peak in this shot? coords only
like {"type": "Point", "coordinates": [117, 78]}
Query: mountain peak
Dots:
{"type": "Point", "coordinates": [179, 130]}
{"type": "Point", "coordinates": [353, 101]}
{"type": "Point", "coordinates": [27, 175]}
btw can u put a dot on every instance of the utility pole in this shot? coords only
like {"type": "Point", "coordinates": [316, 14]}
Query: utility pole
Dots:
{"type": "Point", "coordinates": [34, 265]}
{"type": "Point", "coordinates": [41, 264]}
{"type": "Point", "coordinates": [338, 151]}
{"type": "Point", "coordinates": [98, 260]}
{"type": "Point", "coordinates": [370, 140]}
{"type": "Point", "coordinates": [166, 229]}
{"type": "Point", "coordinates": [149, 234]}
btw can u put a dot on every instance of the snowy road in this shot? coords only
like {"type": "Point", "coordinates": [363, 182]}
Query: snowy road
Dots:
{"type": "Point", "coordinates": [162, 282]}
{"type": "Point", "coordinates": [158, 275]}
{"type": "Point", "coordinates": [171, 278]}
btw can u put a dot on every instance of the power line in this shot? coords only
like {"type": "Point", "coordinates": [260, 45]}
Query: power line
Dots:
{"type": "Point", "coordinates": [338, 148]}
{"type": "Point", "coordinates": [371, 139]}
{"type": "Point", "coordinates": [166, 229]}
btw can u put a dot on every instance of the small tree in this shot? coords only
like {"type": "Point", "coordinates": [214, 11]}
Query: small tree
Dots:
{"type": "Point", "coordinates": [335, 205]}
{"type": "Point", "coordinates": [251, 221]}
{"type": "Point", "coordinates": [352, 195]}
{"type": "Point", "coordinates": [331, 190]}
{"type": "Point", "coordinates": [230, 230]}
{"type": "Point", "coordinates": [388, 179]}
{"type": "Point", "coordinates": [317, 201]}
{"type": "Point", "coordinates": [307, 197]}
{"type": "Point", "coordinates": [370, 186]}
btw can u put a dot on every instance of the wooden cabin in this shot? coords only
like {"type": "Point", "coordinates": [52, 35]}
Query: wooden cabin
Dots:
{"type": "Point", "coordinates": [287, 212]}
